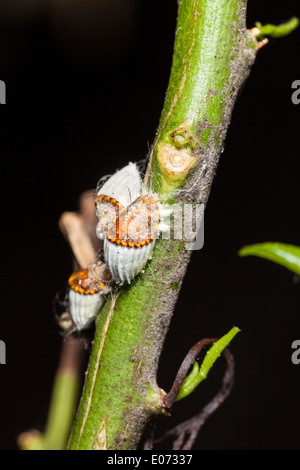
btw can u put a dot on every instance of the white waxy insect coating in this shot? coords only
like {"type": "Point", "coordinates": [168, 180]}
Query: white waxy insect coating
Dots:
{"type": "Point", "coordinates": [128, 246]}
{"type": "Point", "coordinates": [84, 308]}
{"type": "Point", "coordinates": [125, 185]}
{"type": "Point", "coordinates": [126, 254]}
{"type": "Point", "coordinates": [125, 262]}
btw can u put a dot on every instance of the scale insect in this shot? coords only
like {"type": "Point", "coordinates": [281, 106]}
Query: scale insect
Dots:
{"type": "Point", "coordinates": [130, 241]}
{"type": "Point", "coordinates": [129, 222]}
{"type": "Point", "coordinates": [117, 193]}
{"type": "Point", "coordinates": [87, 290]}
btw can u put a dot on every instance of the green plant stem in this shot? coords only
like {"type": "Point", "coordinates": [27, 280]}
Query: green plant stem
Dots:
{"type": "Point", "coordinates": [213, 54]}
{"type": "Point", "coordinates": [275, 31]}
{"type": "Point", "coordinates": [63, 402]}
{"type": "Point", "coordinates": [197, 374]}
{"type": "Point", "coordinates": [64, 396]}
{"type": "Point", "coordinates": [65, 393]}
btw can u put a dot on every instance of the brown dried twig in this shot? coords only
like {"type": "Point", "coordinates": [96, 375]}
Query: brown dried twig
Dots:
{"type": "Point", "coordinates": [170, 398]}
{"type": "Point", "coordinates": [72, 226]}
{"type": "Point", "coordinates": [186, 432]}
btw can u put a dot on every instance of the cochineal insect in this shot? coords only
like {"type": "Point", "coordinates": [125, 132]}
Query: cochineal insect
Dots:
{"type": "Point", "coordinates": [129, 222]}
{"type": "Point", "coordinates": [87, 290]}
{"type": "Point", "coordinates": [117, 193]}
{"type": "Point", "coordinates": [130, 241]}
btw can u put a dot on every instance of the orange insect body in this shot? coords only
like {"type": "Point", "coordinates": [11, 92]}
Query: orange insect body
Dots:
{"type": "Point", "coordinates": [117, 193]}
{"type": "Point", "coordinates": [129, 223]}
{"type": "Point", "coordinates": [86, 294]}
{"type": "Point", "coordinates": [89, 281]}
{"type": "Point", "coordinates": [136, 226]}
{"type": "Point", "coordinates": [130, 239]}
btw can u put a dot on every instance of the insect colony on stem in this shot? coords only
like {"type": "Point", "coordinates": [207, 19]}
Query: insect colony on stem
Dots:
{"type": "Point", "coordinates": [129, 222]}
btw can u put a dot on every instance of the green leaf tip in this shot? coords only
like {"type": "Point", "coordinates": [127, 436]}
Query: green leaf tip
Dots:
{"type": "Point", "coordinates": [287, 256]}
{"type": "Point", "coordinates": [279, 31]}
{"type": "Point", "coordinates": [197, 375]}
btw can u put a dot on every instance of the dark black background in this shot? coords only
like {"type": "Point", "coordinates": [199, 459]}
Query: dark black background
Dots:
{"type": "Point", "coordinates": [85, 87]}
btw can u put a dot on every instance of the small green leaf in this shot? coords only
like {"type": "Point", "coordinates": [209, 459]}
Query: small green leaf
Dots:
{"type": "Point", "coordinates": [277, 31]}
{"type": "Point", "coordinates": [280, 253]}
{"type": "Point", "coordinates": [197, 375]}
